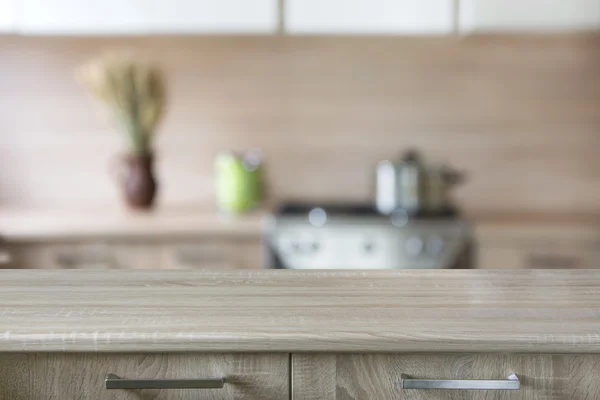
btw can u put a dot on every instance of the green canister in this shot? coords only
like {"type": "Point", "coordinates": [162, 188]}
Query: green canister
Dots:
{"type": "Point", "coordinates": [238, 181]}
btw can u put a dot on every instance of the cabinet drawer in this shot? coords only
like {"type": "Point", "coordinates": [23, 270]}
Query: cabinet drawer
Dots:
{"type": "Point", "coordinates": [213, 254]}
{"type": "Point", "coordinates": [557, 256]}
{"type": "Point", "coordinates": [548, 247]}
{"type": "Point", "coordinates": [62, 256]}
{"type": "Point", "coordinates": [135, 254]}
{"type": "Point", "coordinates": [81, 376]}
{"type": "Point", "coordinates": [378, 376]}
{"type": "Point", "coordinates": [99, 255]}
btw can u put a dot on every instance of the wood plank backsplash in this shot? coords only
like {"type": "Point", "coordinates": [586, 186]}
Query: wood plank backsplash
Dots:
{"type": "Point", "coordinates": [520, 114]}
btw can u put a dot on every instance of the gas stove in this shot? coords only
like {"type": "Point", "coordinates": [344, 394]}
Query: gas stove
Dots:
{"type": "Point", "coordinates": [356, 236]}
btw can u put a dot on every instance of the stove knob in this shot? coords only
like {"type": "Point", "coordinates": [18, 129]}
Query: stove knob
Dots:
{"type": "Point", "coordinates": [435, 245]}
{"type": "Point", "coordinates": [317, 217]}
{"type": "Point", "coordinates": [287, 245]}
{"type": "Point", "coordinates": [399, 218]}
{"type": "Point", "coordinates": [413, 246]}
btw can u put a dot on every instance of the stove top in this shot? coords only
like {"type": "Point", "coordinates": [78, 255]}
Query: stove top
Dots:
{"type": "Point", "coordinates": [356, 210]}
{"type": "Point", "coordinates": [323, 235]}
{"type": "Point", "coordinates": [332, 209]}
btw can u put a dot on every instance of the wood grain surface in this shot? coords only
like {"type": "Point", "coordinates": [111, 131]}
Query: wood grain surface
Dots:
{"type": "Point", "coordinates": [537, 244]}
{"type": "Point", "coordinates": [26, 224]}
{"type": "Point", "coordinates": [55, 376]}
{"type": "Point", "coordinates": [288, 311]}
{"type": "Point", "coordinates": [377, 376]}
{"type": "Point", "coordinates": [35, 224]}
{"type": "Point", "coordinates": [192, 252]}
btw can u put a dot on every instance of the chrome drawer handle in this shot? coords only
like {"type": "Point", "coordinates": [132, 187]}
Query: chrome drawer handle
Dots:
{"type": "Point", "coordinates": [511, 383]}
{"type": "Point", "coordinates": [112, 381]}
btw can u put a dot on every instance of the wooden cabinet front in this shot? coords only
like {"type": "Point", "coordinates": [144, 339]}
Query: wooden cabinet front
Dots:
{"type": "Point", "coordinates": [61, 255]}
{"type": "Point", "coordinates": [212, 254]}
{"type": "Point", "coordinates": [184, 253]}
{"type": "Point", "coordinates": [543, 246]}
{"type": "Point", "coordinates": [378, 376]}
{"type": "Point", "coordinates": [52, 376]}
{"type": "Point", "coordinates": [81, 376]}
{"type": "Point", "coordinates": [561, 255]}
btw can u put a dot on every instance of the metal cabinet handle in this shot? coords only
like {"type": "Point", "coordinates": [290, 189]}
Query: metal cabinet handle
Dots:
{"type": "Point", "coordinates": [112, 381]}
{"type": "Point", "coordinates": [83, 260]}
{"type": "Point", "coordinates": [200, 258]}
{"type": "Point", "coordinates": [512, 383]}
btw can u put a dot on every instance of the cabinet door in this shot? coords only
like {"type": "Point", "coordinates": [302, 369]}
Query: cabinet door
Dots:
{"type": "Point", "coordinates": [8, 16]}
{"type": "Point", "coordinates": [213, 254]}
{"type": "Point", "coordinates": [55, 17]}
{"type": "Point", "coordinates": [137, 254]}
{"type": "Point", "coordinates": [529, 15]}
{"type": "Point", "coordinates": [369, 16]}
{"type": "Point", "coordinates": [214, 16]}
{"type": "Point", "coordinates": [548, 246]}
{"type": "Point", "coordinates": [553, 256]}
{"type": "Point", "coordinates": [201, 254]}
{"type": "Point", "coordinates": [91, 255]}
{"type": "Point", "coordinates": [378, 376]}
{"type": "Point", "coordinates": [225, 253]}
{"type": "Point", "coordinates": [81, 376]}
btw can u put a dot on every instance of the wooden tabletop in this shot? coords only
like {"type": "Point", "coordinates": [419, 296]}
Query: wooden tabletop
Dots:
{"type": "Point", "coordinates": [381, 311]}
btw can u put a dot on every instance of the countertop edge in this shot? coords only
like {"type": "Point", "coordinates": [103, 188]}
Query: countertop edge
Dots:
{"type": "Point", "coordinates": [268, 346]}
{"type": "Point", "coordinates": [27, 225]}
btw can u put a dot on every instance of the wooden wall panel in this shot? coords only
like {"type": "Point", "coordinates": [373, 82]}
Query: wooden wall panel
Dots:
{"type": "Point", "coordinates": [521, 114]}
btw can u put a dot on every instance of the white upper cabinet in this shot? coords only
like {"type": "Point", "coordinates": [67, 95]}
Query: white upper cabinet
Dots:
{"type": "Point", "coordinates": [8, 16]}
{"type": "Point", "coordinates": [72, 17]}
{"type": "Point", "coordinates": [369, 16]}
{"type": "Point", "coordinates": [386, 17]}
{"type": "Point", "coordinates": [118, 17]}
{"type": "Point", "coordinates": [528, 15]}
{"type": "Point", "coordinates": [214, 16]}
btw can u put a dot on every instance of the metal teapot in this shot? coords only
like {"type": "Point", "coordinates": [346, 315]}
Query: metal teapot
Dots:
{"type": "Point", "coordinates": [414, 186]}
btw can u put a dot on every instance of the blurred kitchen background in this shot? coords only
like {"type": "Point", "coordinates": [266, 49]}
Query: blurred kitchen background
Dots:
{"type": "Point", "coordinates": [506, 92]}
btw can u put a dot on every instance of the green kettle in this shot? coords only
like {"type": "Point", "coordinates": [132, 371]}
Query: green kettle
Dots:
{"type": "Point", "coordinates": [239, 186]}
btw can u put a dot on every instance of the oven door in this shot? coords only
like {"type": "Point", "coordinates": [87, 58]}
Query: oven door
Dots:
{"type": "Point", "coordinates": [369, 249]}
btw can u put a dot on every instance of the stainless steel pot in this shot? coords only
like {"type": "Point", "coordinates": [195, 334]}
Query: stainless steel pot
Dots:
{"type": "Point", "coordinates": [414, 186]}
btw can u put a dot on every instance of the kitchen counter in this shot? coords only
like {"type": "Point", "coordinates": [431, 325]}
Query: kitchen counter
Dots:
{"type": "Point", "coordinates": [300, 311]}
{"type": "Point", "coordinates": [48, 224]}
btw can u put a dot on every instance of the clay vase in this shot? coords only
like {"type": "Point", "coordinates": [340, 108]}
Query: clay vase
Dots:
{"type": "Point", "coordinates": [137, 181]}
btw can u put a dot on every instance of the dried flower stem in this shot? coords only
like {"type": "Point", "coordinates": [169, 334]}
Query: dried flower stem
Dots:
{"type": "Point", "coordinates": [133, 92]}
